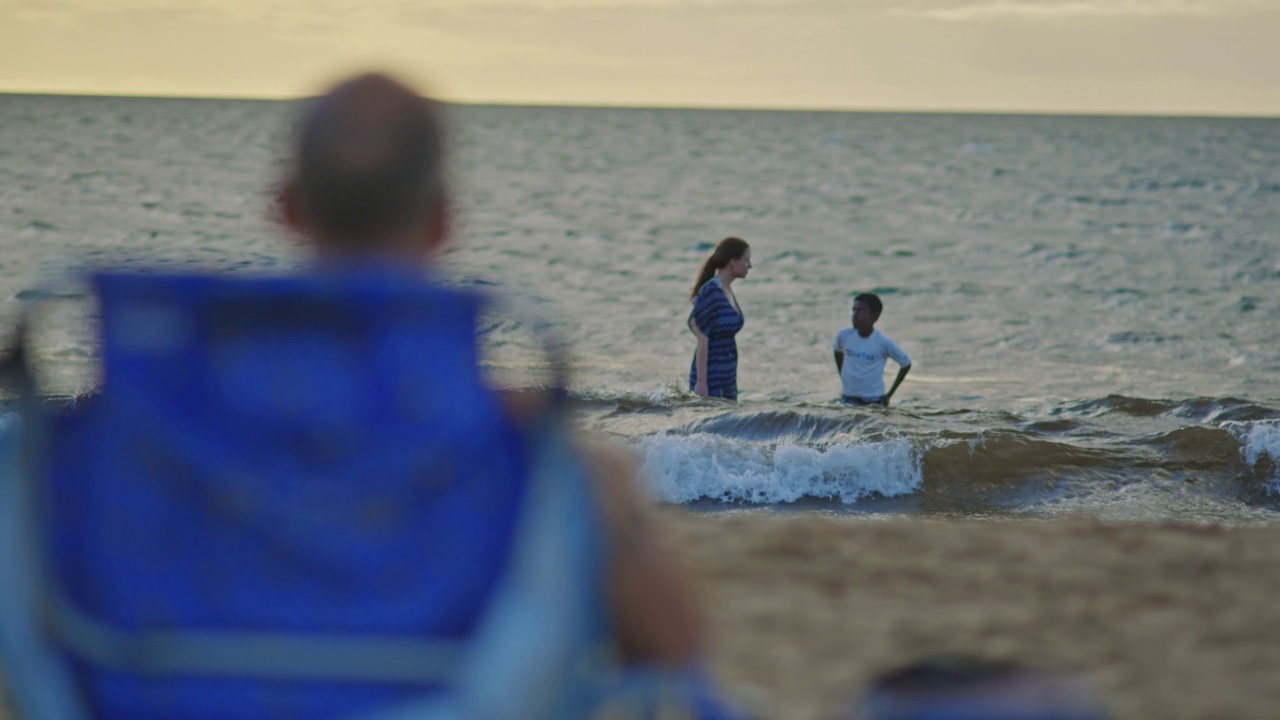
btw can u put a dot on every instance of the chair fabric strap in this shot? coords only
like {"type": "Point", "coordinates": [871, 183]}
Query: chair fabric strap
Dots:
{"type": "Point", "coordinates": [251, 654]}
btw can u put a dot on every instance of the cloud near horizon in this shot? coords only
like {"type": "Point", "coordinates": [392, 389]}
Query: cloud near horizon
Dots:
{"type": "Point", "coordinates": [1149, 56]}
{"type": "Point", "coordinates": [64, 11]}
{"type": "Point", "coordinates": [1063, 9]}
{"type": "Point", "coordinates": [388, 14]}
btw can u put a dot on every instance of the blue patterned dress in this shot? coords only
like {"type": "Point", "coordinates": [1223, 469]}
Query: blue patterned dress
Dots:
{"type": "Point", "coordinates": [716, 317]}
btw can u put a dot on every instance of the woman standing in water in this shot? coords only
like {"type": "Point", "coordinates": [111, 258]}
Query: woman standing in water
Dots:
{"type": "Point", "coordinates": [716, 319]}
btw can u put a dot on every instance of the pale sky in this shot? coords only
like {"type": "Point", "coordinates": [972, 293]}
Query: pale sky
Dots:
{"type": "Point", "coordinates": [1215, 57]}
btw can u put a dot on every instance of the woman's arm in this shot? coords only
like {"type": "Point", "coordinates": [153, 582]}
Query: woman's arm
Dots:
{"type": "Point", "coordinates": [700, 364]}
{"type": "Point", "coordinates": [708, 309]}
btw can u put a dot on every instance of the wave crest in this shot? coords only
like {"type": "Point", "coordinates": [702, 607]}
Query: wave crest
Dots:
{"type": "Point", "coordinates": [1260, 446]}
{"type": "Point", "coordinates": [685, 468]}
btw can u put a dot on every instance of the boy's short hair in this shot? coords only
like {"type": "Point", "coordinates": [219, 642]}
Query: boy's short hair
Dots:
{"type": "Point", "coordinates": [871, 300]}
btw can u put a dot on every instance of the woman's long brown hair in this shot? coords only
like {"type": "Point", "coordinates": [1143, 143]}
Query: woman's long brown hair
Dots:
{"type": "Point", "coordinates": [730, 248]}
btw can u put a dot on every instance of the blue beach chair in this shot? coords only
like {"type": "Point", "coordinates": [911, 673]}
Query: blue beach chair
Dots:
{"type": "Point", "coordinates": [294, 497]}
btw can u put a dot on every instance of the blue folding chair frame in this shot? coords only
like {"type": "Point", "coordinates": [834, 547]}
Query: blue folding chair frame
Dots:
{"type": "Point", "coordinates": [540, 651]}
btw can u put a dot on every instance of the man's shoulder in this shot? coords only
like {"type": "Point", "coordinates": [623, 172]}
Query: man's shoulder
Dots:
{"type": "Point", "coordinates": [843, 334]}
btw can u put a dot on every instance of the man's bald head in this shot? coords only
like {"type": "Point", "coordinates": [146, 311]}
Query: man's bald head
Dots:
{"type": "Point", "coordinates": [367, 166]}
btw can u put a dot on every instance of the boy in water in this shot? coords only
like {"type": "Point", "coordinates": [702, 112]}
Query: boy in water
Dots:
{"type": "Point", "coordinates": [860, 354]}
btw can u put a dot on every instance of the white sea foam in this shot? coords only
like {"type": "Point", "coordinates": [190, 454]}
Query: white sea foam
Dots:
{"type": "Point", "coordinates": [684, 468]}
{"type": "Point", "coordinates": [1259, 439]}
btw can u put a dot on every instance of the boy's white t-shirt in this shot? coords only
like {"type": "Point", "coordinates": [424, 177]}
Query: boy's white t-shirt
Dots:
{"type": "Point", "coordinates": [862, 374]}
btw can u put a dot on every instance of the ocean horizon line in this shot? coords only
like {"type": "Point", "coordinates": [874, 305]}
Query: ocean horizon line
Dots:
{"type": "Point", "coordinates": [976, 112]}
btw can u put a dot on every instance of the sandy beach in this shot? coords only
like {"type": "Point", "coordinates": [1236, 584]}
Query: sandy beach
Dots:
{"type": "Point", "coordinates": [1166, 621]}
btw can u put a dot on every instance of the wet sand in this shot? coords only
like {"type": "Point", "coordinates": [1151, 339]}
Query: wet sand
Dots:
{"type": "Point", "coordinates": [1166, 621]}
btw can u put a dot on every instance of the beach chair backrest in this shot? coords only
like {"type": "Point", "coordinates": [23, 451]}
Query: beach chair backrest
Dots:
{"type": "Point", "coordinates": [295, 497]}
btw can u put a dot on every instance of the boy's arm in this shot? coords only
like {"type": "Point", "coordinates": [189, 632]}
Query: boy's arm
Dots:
{"type": "Point", "coordinates": [902, 374]}
{"type": "Point", "coordinates": [839, 361]}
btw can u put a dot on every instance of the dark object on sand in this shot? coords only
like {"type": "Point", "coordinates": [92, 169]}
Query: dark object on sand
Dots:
{"type": "Point", "coordinates": [966, 688]}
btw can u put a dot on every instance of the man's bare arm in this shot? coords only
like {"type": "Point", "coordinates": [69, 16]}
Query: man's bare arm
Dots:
{"type": "Point", "coordinates": [653, 598]}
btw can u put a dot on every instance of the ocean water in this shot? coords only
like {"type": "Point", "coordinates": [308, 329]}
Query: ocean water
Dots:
{"type": "Point", "coordinates": [1091, 303]}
